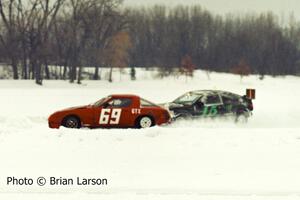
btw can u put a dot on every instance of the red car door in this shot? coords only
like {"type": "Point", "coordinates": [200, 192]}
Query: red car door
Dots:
{"type": "Point", "coordinates": [116, 112]}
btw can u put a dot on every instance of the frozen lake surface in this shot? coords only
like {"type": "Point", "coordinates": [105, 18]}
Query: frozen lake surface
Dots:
{"type": "Point", "coordinates": [187, 160]}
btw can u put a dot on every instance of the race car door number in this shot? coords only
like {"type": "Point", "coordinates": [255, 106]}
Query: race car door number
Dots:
{"type": "Point", "coordinates": [110, 116]}
{"type": "Point", "coordinates": [210, 111]}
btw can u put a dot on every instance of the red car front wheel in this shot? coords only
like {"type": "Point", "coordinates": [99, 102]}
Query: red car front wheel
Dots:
{"type": "Point", "coordinates": [71, 122]}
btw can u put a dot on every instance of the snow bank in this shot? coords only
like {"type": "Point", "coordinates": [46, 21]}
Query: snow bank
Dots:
{"type": "Point", "coordinates": [197, 159]}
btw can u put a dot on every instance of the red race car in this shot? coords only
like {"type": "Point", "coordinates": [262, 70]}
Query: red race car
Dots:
{"type": "Point", "coordinates": [115, 111]}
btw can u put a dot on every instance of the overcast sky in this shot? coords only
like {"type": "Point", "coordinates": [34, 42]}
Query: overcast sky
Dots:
{"type": "Point", "coordinates": [280, 7]}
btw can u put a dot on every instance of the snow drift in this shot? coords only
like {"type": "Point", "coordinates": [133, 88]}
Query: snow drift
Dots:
{"type": "Point", "coordinates": [200, 159]}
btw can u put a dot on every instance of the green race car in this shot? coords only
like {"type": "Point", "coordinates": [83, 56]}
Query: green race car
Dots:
{"type": "Point", "coordinates": [212, 104]}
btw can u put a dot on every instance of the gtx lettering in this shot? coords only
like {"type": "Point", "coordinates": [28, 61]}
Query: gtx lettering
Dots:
{"type": "Point", "coordinates": [136, 111]}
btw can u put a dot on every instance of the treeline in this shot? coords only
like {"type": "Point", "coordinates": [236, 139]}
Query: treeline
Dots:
{"type": "Point", "coordinates": [162, 37]}
{"type": "Point", "coordinates": [74, 34]}
{"type": "Point", "coordinates": [36, 34]}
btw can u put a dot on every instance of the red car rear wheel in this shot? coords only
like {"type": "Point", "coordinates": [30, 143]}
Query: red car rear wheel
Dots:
{"type": "Point", "coordinates": [145, 122]}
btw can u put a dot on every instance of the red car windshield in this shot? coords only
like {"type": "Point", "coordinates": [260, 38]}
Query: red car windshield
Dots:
{"type": "Point", "coordinates": [101, 101]}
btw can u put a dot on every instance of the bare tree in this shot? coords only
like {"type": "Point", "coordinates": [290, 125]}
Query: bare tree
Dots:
{"type": "Point", "coordinates": [242, 69]}
{"type": "Point", "coordinates": [187, 66]}
{"type": "Point", "coordinates": [9, 36]}
{"type": "Point", "coordinates": [45, 14]}
{"type": "Point", "coordinates": [104, 20]}
{"type": "Point", "coordinates": [117, 54]}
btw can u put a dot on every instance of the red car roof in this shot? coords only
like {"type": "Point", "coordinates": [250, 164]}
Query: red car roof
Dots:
{"type": "Point", "coordinates": [124, 95]}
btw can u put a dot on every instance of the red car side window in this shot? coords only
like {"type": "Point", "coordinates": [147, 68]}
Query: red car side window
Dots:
{"type": "Point", "coordinates": [120, 102]}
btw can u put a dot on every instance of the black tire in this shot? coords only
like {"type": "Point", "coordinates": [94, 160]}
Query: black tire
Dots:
{"type": "Point", "coordinates": [241, 118]}
{"type": "Point", "coordinates": [71, 122]}
{"type": "Point", "coordinates": [144, 122]}
{"type": "Point", "coordinates": [183, 117]}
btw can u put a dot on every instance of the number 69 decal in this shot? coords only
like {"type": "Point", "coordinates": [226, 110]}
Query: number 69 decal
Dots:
{"type": "Point", "coordinates": [110, 116]}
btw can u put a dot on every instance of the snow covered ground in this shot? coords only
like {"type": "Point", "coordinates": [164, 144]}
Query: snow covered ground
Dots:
{"type": "Point", "coordinates": [188, 160]}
